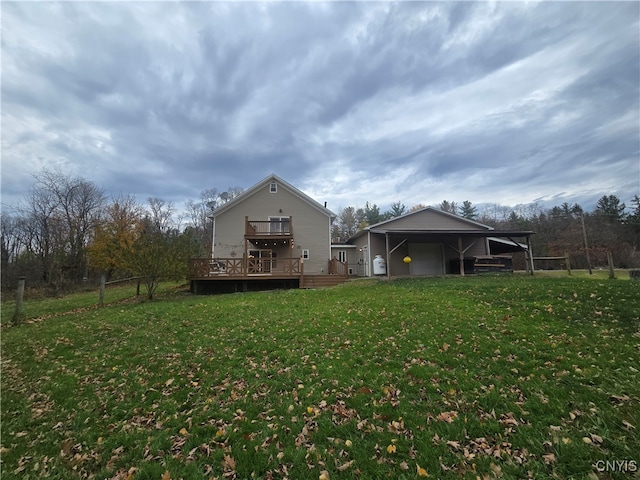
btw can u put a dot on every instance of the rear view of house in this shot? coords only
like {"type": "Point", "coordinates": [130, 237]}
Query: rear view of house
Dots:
{"type": "Point", "coordinates": [271, 235]}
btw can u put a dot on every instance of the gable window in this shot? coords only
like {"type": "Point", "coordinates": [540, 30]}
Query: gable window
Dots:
{"type": "Point", "coordinates": [273, 187]}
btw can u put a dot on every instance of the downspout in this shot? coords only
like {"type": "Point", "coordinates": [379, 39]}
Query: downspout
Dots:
{"type": "Point", "coordinates": [369, 271]}
{"type": "Point", "coordinates": [329, 217]}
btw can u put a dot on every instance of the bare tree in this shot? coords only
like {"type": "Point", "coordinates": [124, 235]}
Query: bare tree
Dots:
{"type": "Point", "coordinates": [347, 223]}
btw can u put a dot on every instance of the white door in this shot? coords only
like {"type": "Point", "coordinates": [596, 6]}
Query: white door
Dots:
{"type": "Point", "coordinates": [426, 259]}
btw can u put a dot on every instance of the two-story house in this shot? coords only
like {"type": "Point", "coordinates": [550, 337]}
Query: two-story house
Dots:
{"type": "Point", "coordinates": [271, 235]}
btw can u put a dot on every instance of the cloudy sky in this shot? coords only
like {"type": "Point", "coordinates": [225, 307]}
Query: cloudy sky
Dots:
{"type": "Point", "coordinates": [418, 102]}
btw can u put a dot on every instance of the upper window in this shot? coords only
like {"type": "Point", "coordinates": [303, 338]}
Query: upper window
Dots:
{"type": "Point", "coordinates": [273, 188]}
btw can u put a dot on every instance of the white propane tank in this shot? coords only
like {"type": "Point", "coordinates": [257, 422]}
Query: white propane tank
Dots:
{"type": "Point", "coordinates": [379, 265]}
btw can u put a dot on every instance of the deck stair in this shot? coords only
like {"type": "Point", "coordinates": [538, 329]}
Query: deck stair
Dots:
{"type": "Point", "coordinates": [320, 281]}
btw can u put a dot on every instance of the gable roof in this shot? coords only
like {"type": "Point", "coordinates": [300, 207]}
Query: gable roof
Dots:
{"type": "Point", "coordinates": [451, 224]}
{"type": "Point", "coordinates": [388, 224]}
{"type": "Point", "coordinates": [264, 183]}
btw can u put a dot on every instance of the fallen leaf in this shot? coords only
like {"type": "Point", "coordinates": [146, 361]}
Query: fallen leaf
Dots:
{"type": "Point", "coordinates": [421, 471]}
{"type": "Point", "coordinates": [596, 438]}
{"type": "Point", "coordinates": [183, 431]}
{"type": "Point", "coordinates": [166, 475]}
{"type": "Point", "coordinates": [324, 475]}
{"type": "Point", "coordinates": [619, 398]}
{"type": "Point", "coordinates": [448, 417]}
{"type": "Point", "coordinates": [549, 458]}
{"type": "Point", "coordinates": [345, 466]}
{"type": "Point", "coordinates": [391, 449]}
{"type": "Point", "coordinates": [228, 463]}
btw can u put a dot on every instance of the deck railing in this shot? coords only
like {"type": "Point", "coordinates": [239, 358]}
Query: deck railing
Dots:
{"type": "Point", "coordinates": [336, 267]}
{"type": "Point", "coordinates": [240, 267]}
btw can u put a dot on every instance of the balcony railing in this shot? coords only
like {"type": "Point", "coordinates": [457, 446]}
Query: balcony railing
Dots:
{"type": "Point", "coordinates": [280, 227]}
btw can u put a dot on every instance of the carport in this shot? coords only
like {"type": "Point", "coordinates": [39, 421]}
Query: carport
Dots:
{"type": "Point", "coordinates": [431, 250]}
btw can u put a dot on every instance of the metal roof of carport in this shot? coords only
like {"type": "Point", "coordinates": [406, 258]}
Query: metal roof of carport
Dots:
{"type": "Point", "coordinates": [471, 233]}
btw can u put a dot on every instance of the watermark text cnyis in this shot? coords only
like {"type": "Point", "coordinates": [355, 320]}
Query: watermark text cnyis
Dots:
{"type": "Point", "coordinates": [625, 466]}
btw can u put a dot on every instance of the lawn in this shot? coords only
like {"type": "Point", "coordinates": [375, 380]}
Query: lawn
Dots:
{"type": "Point", "coordinates": [475, 377]}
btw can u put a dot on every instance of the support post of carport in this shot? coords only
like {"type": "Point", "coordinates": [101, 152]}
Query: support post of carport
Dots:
{"type": "Point", "coordinates": [461, 256]}
{"type": "Point", "coordinates": [386, 244]}
{"type": "Point", "coordinates": [530, 255]}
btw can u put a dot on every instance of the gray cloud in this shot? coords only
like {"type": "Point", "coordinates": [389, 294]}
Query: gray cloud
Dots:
{"type": "Point", "coordinates": [420, 101]}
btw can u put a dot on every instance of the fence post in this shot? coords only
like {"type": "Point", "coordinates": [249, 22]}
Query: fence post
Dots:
{"type": "Point", "coordinates": [103, 281]}
{"type": "Point", "coordinates": [18, 316]}
{"type": "Point", "coordinates": [612, 273]}
{"type": "Point", "coordinates": [568, 261]}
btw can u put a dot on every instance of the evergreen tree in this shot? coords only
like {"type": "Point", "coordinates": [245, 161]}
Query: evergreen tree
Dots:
{"type": "Point", "coordinates": [467, 210]}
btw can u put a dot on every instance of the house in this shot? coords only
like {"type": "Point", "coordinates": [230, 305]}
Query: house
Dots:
{"type": "Point", "coordinates": [429, 241]}
{"type": "Point", "coordinates": [275, 236]}
{"type": "Point", "coordinates": [272, 235]}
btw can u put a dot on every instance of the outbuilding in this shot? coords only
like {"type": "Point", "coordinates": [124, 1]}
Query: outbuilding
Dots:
{"type": "Point", "coordinates": [430, 241]}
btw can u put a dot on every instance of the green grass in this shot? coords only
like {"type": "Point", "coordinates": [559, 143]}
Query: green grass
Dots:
{"type": "Point", "coordinates": [493, 376]}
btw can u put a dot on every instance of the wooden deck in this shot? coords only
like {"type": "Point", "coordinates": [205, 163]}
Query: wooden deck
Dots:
{"type": "Point", "coordinates": [242, 274]}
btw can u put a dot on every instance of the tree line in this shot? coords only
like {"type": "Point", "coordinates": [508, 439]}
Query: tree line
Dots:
{"type": "Point", "coordinates": [66, 232]}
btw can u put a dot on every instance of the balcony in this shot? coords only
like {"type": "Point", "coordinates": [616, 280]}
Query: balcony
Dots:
{"type": "Point", "coordinates": [275, 228]}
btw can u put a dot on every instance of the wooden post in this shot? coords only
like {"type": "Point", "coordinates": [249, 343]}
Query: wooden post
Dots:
{"type": "Point", "coordinates": [386, 243]}
{"type": "Point", "coordinates": [530, 255]}
{"type": "Point", "coordinates": [103, 281]}
{"type": "Point", "coordinates": [586, 244]}
{"type": "Point", "coordinates": [18, 315]}
{"type": "Point", "coordinates": [138, 287]}
{"type": "Point", "coordinates": [568, 261]}
{"type": "Point", "coordinates": [461, 256]}
{"type": "Point", "coordinates": [612, 273]}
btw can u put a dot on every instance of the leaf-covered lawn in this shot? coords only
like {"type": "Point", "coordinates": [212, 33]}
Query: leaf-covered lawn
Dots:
{"type": "Point", "coordinates": [489, 377]}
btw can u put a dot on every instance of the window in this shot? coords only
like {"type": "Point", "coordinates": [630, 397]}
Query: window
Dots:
{"type": "Point", "coordinates": [273, 188]}
{"type": "Point", "coordinates": [305, 253]}
{"type": "Point", "coordinates": [342, 256]}
{"type": "Point", "coordinates": [279, 225]}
